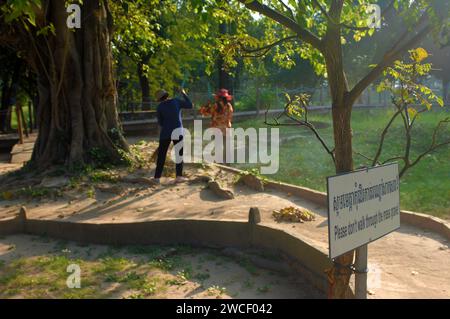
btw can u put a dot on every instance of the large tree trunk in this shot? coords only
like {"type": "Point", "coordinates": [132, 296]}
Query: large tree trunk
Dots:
{"type": "Point", "coordinates": [77, 114]}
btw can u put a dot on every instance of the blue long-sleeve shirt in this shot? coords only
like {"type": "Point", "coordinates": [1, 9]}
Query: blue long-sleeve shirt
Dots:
{"type": "Point", "coordinates": [169, 115]}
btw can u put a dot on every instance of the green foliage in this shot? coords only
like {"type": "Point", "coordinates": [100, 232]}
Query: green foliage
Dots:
{"type": "Point", "coordinates": [21, 9]}
{"type": "Point", "coordinates": [90, 192]}
{"type": "Point", "coordinates": [35, 192]}
{"type": "Point", "coordinates": [134, 158]}
{"type": "Point", "coordinates": [403, 82]}
{"type": "Point", "coordinates": [296, 106]}
{"type": "Point", "coordinates": [165, 40]}
{"type": "Point", "coordinates": [248, 101]}
{"type": "Point", "coordinates": [100, 156]}
{"type": "Point", "coordinates": [97, 176]}
{"type": "Point", "coordinates": [253, 172]}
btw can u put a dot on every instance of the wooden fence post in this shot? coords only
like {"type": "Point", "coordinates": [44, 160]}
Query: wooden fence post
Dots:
{"type": "Point", "coordinates": [19, 124]}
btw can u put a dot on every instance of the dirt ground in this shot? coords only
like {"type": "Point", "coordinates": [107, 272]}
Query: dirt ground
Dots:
{"type": "Point", "coordinates": [409, 263]}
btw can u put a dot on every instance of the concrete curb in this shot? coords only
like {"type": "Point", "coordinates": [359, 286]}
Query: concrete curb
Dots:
{"type": "Point", "coordinates": [302, 257]}
{"type": "Point", "coordinates": [427, 222]}
{"type": "Point", "coordinates": [12, 226]}
{"type": "Point", "coordinates": [419, 220]}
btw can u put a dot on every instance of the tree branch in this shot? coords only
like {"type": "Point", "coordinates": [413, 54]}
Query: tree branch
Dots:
{"type": "Point", "coordinates": [389, 58]}
{"type": "Point", "coordinates": [287, 8]}
{"type": "Point", "coordinates": [267, 48]}
{"type": "Point", "coordinates": [304, 34]}
{"type": "Point", "coordinates": [383, 136]}
{"type": "Point", "coordinates": [433, 146]}
{"type": "Point", "coordinates": [324, 12]}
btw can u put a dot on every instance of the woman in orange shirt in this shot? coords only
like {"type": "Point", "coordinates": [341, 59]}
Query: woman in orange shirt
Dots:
{"type": "Point", "coordinates": [221, 112]}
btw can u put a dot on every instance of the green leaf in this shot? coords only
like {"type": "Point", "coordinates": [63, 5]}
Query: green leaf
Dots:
{"type": "Point", "coordinates": [412, 112]}
{"type": "Point", "coordinates": [419, 54]}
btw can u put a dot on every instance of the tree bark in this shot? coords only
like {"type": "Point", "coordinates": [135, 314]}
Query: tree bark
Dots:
{"type": "Point", "coordinates": [341, 113]}
{"type": "Point", "coordinates": [77, 116]}
{"type": "Point", "coordinates": [339, 275]}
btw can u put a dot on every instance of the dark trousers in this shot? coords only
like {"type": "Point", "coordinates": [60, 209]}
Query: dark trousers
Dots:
{"type": "Point", "coordinates": [162, 153]}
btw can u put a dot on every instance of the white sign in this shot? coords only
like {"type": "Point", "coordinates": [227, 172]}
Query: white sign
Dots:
{"type": "Point", "coordinates": [363, 206]}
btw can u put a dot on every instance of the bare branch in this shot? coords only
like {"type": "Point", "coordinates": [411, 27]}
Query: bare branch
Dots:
{"type": "Point", "coordinates": [433, 146]}
{"type": "Point", "coordinates": [383, 136]}
{"type": "Point", "coordinates": [364, 156]}
{"type": "Point", "coordinates": [430, 150]}
{"type": "Point", "coordinates": [393, 159]}
{"type": "Point", "coordinates": [298, 122]}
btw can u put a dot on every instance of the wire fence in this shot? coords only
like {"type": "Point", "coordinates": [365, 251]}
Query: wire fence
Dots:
{"type": "Point", "coordinates": [254, 99]}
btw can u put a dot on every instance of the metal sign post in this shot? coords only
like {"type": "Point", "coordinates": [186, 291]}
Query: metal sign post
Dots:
{"type": "Point", "coordinates": [361, 272]}
{"type": "Point", "coordinates": [363, 206]}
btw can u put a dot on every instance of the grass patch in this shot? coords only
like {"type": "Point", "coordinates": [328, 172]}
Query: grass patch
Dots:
{"type": "Point", "coordinates": [424, 188]}
{"type": "Point", "coordinates": [130, 272]}
{"type": "Point", "coordinates": [108, 176]}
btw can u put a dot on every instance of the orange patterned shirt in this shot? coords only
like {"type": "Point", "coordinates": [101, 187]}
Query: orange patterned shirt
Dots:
{"type": "Point", "coordinates": [221, 120]}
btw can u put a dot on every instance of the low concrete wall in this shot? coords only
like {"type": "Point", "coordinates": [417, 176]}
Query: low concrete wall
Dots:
{"type": "Point", "coordinates": [423, 221]}
{"type": "Point", "coordinates": [203, 233]}
{"type": "Point", "coordinates": [427, 222]}
{"type": "Point", "coordinates": [12, 226]}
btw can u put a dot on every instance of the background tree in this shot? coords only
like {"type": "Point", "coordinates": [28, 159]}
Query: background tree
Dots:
{"type": "Point", "coordinates": [11, 67]}
{"type": "Point", "coordinates": [440, 59]}
{"type": "Point", "coordinates": [137, 37]}
{"type": "Point", "coordinates": [160, 44]}
{"type": "Point", "coordinates": [17, 83]}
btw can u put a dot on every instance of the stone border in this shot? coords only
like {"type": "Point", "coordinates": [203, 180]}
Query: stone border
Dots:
{"type": "Point", "coordinates": [419, 220]}
{"type": "Point", "coordinates": [427, 222]}
{"type": "Point", "coordinates": [296, 252]}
